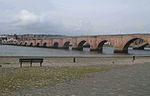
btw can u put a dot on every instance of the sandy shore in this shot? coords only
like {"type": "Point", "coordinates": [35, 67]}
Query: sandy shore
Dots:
{"type": "Point", "coordinates": [80, 61]}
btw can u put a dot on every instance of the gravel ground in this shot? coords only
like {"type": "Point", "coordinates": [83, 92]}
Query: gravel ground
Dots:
{"type": "Point", "coordinates": [133, 80]}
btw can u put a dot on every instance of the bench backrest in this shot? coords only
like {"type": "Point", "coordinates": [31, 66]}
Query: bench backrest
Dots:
{"type": "Point", "coordinates": [31, 60]}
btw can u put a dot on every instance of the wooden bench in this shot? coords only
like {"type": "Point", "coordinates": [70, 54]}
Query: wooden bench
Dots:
{"type": "Point", "coordinates": [31, 60]}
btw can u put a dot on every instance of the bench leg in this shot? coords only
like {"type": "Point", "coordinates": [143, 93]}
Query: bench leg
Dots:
{"type": "Point", "coordinates": [40, 64]}
{"type": "Point", "coordinates": [30, 64]}
{"type": "Point", "coordinates": [20, 64]}
{"type": "Point", "coordinates": [74, 60]}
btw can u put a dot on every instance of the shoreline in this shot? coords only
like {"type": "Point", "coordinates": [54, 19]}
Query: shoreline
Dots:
{"type": "Point", "coordinates": [60, 61]}
{"type": "Point", "coordinates": [81, 56]}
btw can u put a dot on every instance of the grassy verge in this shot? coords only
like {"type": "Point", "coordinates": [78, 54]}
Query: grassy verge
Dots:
{"type": "Point", "coordinates": [13, 79]}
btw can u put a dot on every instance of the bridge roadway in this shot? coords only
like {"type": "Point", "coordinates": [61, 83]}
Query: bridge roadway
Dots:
{"type": "Point", "coordinates": [119, 42]}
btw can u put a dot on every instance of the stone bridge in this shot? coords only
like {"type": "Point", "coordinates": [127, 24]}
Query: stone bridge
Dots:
{"type": "Point", "coordinates": [119, 42]}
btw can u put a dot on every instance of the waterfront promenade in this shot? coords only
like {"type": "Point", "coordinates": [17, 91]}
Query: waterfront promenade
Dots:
{"type": "Point", "coordinates": [87, 76]}
{"type": "Point", "coordinates": [13, 61]}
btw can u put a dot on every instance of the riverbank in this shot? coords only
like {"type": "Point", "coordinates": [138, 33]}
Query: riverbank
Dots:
{"type": "Point", "coordinates": [58, 72]}
{"type": "Point", "coordinates": [13, 61]}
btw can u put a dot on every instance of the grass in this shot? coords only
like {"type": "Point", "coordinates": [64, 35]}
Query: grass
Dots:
{"type": "Point", "coordinates": [13, 79]}
{"type": "Point", "coordinates": [7, 63]}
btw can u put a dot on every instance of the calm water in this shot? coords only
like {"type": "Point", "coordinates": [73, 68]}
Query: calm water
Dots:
{"type": "Point", "coordinates": [32, 51]}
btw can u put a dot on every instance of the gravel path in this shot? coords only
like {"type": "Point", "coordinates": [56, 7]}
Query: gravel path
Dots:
{"type": "Point", "coordinates": [133, 80]}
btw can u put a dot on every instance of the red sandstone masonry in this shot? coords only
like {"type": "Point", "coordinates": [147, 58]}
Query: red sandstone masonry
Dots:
{"type": "Point", "coordinates": [118, 41]}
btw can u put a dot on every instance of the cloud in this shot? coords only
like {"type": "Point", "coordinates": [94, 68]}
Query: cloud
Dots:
{"type": "Point", "coordinates": [26, 17]}
{"type": "Point", "coordinates": [79, 17]}
{"type": "Point", "coordinates": [27, 22]}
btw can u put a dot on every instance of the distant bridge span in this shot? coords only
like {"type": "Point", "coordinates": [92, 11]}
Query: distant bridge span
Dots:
{"type": "Point", "coordinates": [119, 42]}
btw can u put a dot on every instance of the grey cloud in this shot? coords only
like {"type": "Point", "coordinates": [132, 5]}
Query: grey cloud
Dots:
{"type": "Point", "coordinates": [79, 17]}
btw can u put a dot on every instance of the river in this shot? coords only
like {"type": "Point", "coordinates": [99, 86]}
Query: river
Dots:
{"type": "Point", "coordinates": [7, 50]}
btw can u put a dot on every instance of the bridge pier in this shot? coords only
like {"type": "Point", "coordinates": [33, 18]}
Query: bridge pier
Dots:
{"type": "Point", "coordinates": [121, 51]}
{"type": "Point", "coordinates": [100, 50]}
{"type": "Point", "coordinates": [140, 48]}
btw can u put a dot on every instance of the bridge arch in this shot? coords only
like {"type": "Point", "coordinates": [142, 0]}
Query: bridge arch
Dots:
{"type": "Point", "coordinates": [38, 44]}
{"type": "Point", "coordinates": [66, 44]}
{"type": "Point", "coordinates": [44, 44]}
{"type": "Point", "coordinates": [86, 45]}
{"type": "Point", "coordinates": [83, 44]}
{"type": "Point", "coordinates": [80, 45]}
{"type": "Point", "coordinates": [129, 42]}
{"type": "Point", "coordinates": [25, 44]}
{"type": "Point", "coordinates": [20, 43]}
{"type": "Point", "coordinates": [100, 46]}
{"type": "Point", "coordinates": [55, 45]}
{"type": "Point", "coordinates": [31, 44]}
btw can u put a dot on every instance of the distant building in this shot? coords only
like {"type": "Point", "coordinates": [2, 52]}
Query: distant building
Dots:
{"type": "Point", "coordinates": [2, 39]}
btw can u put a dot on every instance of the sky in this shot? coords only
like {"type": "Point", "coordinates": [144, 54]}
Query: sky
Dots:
{"type": "Point", "coordinates": [74, 17]}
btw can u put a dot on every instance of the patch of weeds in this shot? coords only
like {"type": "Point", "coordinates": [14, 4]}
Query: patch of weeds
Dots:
{"type": "Point", "coordinates": [7, 63]}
